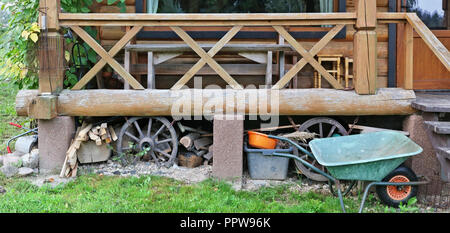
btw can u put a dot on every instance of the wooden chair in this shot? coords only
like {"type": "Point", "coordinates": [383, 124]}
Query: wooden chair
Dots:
{"type": "Point", "coordinates": [335, 70]}
{"type": "Point", "coordinates": [347, 71]}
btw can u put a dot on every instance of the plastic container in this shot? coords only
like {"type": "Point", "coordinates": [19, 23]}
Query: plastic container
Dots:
{"type": "Point", "coordinates": [261, 141]}
{"type": "Point", "coordinates": [262, 166]}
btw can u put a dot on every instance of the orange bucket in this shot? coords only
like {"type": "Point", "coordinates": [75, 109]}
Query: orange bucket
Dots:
{"type": "Point", "coordinates": [261, 141]}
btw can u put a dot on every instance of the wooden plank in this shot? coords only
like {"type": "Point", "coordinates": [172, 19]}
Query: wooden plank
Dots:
{"type": "Point", "coordinates": [430, 39]}
{"type": "Point", "coordinates": [409, 57]}
{"type": "Point", "coordinates": [206, 57]}
{"type": "Point", "coordinates": [127, 65]}
{"type": "Point", "coordinates": [253, 47]}
{"type": "Point", "coordinates": [161, 57]}
{"type": "Point", "coordinates": [299, 65]}
{"type": "Point", "coordinates": [100, 64]}
{"type": "Point", "coordinates": [151, 72]}
{"type": "Point", "coordinates": [269, 69]}
{"type": "Point", "coordinates": [388, 101]}
{"type": "Point", "coordinates": [259, 57]}
{"type": "Point", "coordinates": [207, 17]}
{"type": "Point", "coordinates": [181, 69]}
{"type": "Point", "coordinates": [365, 62]}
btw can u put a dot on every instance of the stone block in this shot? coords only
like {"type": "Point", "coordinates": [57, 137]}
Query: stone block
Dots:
{"type": "Point", "coordinates": [228, 137]}
{"type": "Point", "coordinates": [425, 163]}
{"type": "Point", "coordinates": [10, 160]}
{"type": "Point", "coordinates": [55, 136]}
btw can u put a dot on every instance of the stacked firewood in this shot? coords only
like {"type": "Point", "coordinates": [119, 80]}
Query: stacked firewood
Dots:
{"type": "Point", "coordinates": [197, 149]}
{"type": "Point", "coordinates": [86, 132]}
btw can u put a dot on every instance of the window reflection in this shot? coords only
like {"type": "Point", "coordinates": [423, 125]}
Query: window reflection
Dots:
{"type": "Point", "coordinates": [431, 12]}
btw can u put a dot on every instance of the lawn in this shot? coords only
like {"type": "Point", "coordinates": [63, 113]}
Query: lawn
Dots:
{"type": "Point", "coordinates": [93, 193]}
{"type": "Point", "coordinates": [150, 194]}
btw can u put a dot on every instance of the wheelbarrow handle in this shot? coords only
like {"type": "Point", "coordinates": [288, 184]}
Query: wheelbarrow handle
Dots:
{"type": "Point", "coordinates": [292, 143]}
{"type": "Point", "coordinates": [332, 179]}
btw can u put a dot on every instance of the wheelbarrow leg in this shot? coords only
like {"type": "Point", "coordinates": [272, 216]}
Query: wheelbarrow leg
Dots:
{"type": "Point", "coordinates": [366, 192]}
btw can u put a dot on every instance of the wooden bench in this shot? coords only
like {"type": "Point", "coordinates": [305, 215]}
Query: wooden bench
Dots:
{"type": "Point", "coordinates": [159, 53]}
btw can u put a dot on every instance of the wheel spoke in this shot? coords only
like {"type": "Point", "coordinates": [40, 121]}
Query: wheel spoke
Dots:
{"type": "Point", "coordinates": [321, 130]}
{"type": "Point", "coordinates": [132, 136]}
{"type": "Point", "coordinates": [154, 157]}
{"type": "Point", "coordinates": [138, 129]}
{"type": "Point", "coordinates": [159, 131]}
{"type": "Point", "coordinates": [163, 141]}
{"type": "Point", "coordinates": [163, 153]}
{"type": "Point", "coordinates": [331, 131]}
{"type": "Point", "coordinates": [149, 126]}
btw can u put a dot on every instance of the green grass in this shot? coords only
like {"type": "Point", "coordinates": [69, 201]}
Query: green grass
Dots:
{"type": "Point", "coordinates": [8, 114]}
{"type": "Point", "coordinates": [149, 194]}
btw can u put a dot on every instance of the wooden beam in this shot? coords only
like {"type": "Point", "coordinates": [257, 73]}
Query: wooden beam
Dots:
{"type": "Point", "coordinates": [430, 39]}
{"type": "Point", "coordinates": [107, 57]}
{"type": "Point", "coordinates": [409, 57]}
{"type": "Point", "coordinates": [151, 71]}
{"type": "Point", "coordinates": [206, 57]}
{"type": "Point", "coordinates": [314, 51]}
{"type": "Point", "coordinates": [113, 52]}
{"type": "Point", "coordinates": [387, 101]}
{"type": "Point", "coordinates": [308, 57]}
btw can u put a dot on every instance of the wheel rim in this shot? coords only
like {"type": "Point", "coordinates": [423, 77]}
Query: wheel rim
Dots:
{"type": "Point", "coordinates": [324, 127]}
{"type": "Point", "coordinates": [153, 136]}
{"type": "Point", "coordinates": [398, 193]}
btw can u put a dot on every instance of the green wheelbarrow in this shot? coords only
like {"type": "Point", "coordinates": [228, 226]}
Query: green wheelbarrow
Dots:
{"type": "Point", "coordinates": [375, 157]}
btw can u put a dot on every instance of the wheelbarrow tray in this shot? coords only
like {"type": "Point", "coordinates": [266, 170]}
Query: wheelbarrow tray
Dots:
{"type": "Point", "coordinates": [367, 157]}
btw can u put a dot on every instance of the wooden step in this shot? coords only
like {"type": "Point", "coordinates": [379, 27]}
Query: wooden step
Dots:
{"type": "Point", "coordinates": [444, 151]}
{"type": "Point", "coordinates": [432, 103]}
{"type": "Point", "coordinates": [439, 127]}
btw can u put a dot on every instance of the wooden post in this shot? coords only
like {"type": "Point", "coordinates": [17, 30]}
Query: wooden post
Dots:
{"type": "Point", "coordinates": [51, 52]}
{"type": "Point", "coordinates": [409, 59]}
{"type": "Point", "coordinates": [365, 47]}
{"type": "Point", "coordinates": [151, 71]}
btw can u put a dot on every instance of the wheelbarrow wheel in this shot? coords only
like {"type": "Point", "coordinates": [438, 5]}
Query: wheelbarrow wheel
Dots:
{"type": "Point", "coordinates": [323, 127]}
{"type": "Point", "coordinates": [394, 195]}
{"type": "Point", "coordinates": [346, 187]}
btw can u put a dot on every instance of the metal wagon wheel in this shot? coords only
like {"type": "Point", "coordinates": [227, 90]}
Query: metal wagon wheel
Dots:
{"type": "Point", "coordinates": [323, 127]}
{"type": "Point", "coordinates": [154, 136]}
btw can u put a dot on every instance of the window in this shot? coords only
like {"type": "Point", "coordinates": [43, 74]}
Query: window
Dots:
{"type": "Point", "coordinates": [240, 6]}
{"type": "Point", "coordinates": [434, 13]}
{"type": "Point", "coordinates": [243, 6]}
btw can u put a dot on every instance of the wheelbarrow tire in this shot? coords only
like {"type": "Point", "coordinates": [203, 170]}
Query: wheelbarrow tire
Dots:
{"type": "Point", "coordinates": [394, 195]}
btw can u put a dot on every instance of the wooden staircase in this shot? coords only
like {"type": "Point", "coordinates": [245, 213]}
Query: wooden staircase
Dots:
{"type": "Point", "coordinates": [436, 111]}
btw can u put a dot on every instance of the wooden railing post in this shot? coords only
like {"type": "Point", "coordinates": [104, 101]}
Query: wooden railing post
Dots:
{"type": "Point", "coordinates": [51, 51]}
{"type": "Point", "coordinates": [365, 47]}
{"type": "Point", "coordinates": [409, 59]}
{"type": "Point", "coordinates": [51, 62]}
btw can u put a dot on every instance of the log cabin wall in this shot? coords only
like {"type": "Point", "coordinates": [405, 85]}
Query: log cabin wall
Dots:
{"type": "Point", "coordinates": [110, 35]}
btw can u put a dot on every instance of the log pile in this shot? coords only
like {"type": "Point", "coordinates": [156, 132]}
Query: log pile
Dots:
{"type": "Point", "coordinates": [197, 148]}
{"type": "Point", "coordinates": [99, 134]}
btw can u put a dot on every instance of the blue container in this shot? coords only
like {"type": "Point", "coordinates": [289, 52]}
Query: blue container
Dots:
{"type": "Point", "coordinates": [263, 166]}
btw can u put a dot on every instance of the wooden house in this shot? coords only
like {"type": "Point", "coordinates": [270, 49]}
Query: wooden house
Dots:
{"type": "Point", "coordinates": [334, 58]}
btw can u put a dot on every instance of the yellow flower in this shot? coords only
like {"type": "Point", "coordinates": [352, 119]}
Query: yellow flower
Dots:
{"type": "Point", "coordinates": [25, 34]}
{"type": "Point", "coordinates": [35, 27]}
{"type": "Point", "coordinates": [34, 37]}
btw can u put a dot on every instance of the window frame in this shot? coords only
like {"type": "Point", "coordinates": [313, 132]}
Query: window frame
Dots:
{"type": "Point", "coordinates": [308, 33]}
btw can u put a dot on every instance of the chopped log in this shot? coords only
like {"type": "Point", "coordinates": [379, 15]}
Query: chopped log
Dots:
{"type": "Point", "coordinates": [203, 143]}
{"type": "Point", "coordinates": [208, 156]}
{"type": "Point", "coordinates": [70, 163]}
{"type": "Point", "coordinates": [103, 128]}
{"type": "Point", "coordinates": [113, 133]}
{"type": "Point", "coordinates": [188, 140]}
{"type": "Point", "coordinates": [93, 136]}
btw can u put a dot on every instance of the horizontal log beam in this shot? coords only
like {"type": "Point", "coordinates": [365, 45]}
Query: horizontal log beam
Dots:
{"type": "Point", "coordinates": [388, 101]}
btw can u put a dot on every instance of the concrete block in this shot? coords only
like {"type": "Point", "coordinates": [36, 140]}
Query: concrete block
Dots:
{"type": "Point", "coordinates": [228, 147]}
{"type": "Point", "coordinates": [10, 160]}
{"type": "Point", "coordinates": [55, 136]}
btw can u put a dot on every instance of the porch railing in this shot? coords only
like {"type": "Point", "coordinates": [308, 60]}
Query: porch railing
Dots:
{"type": "Point", "coordinates": [365, 20]}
